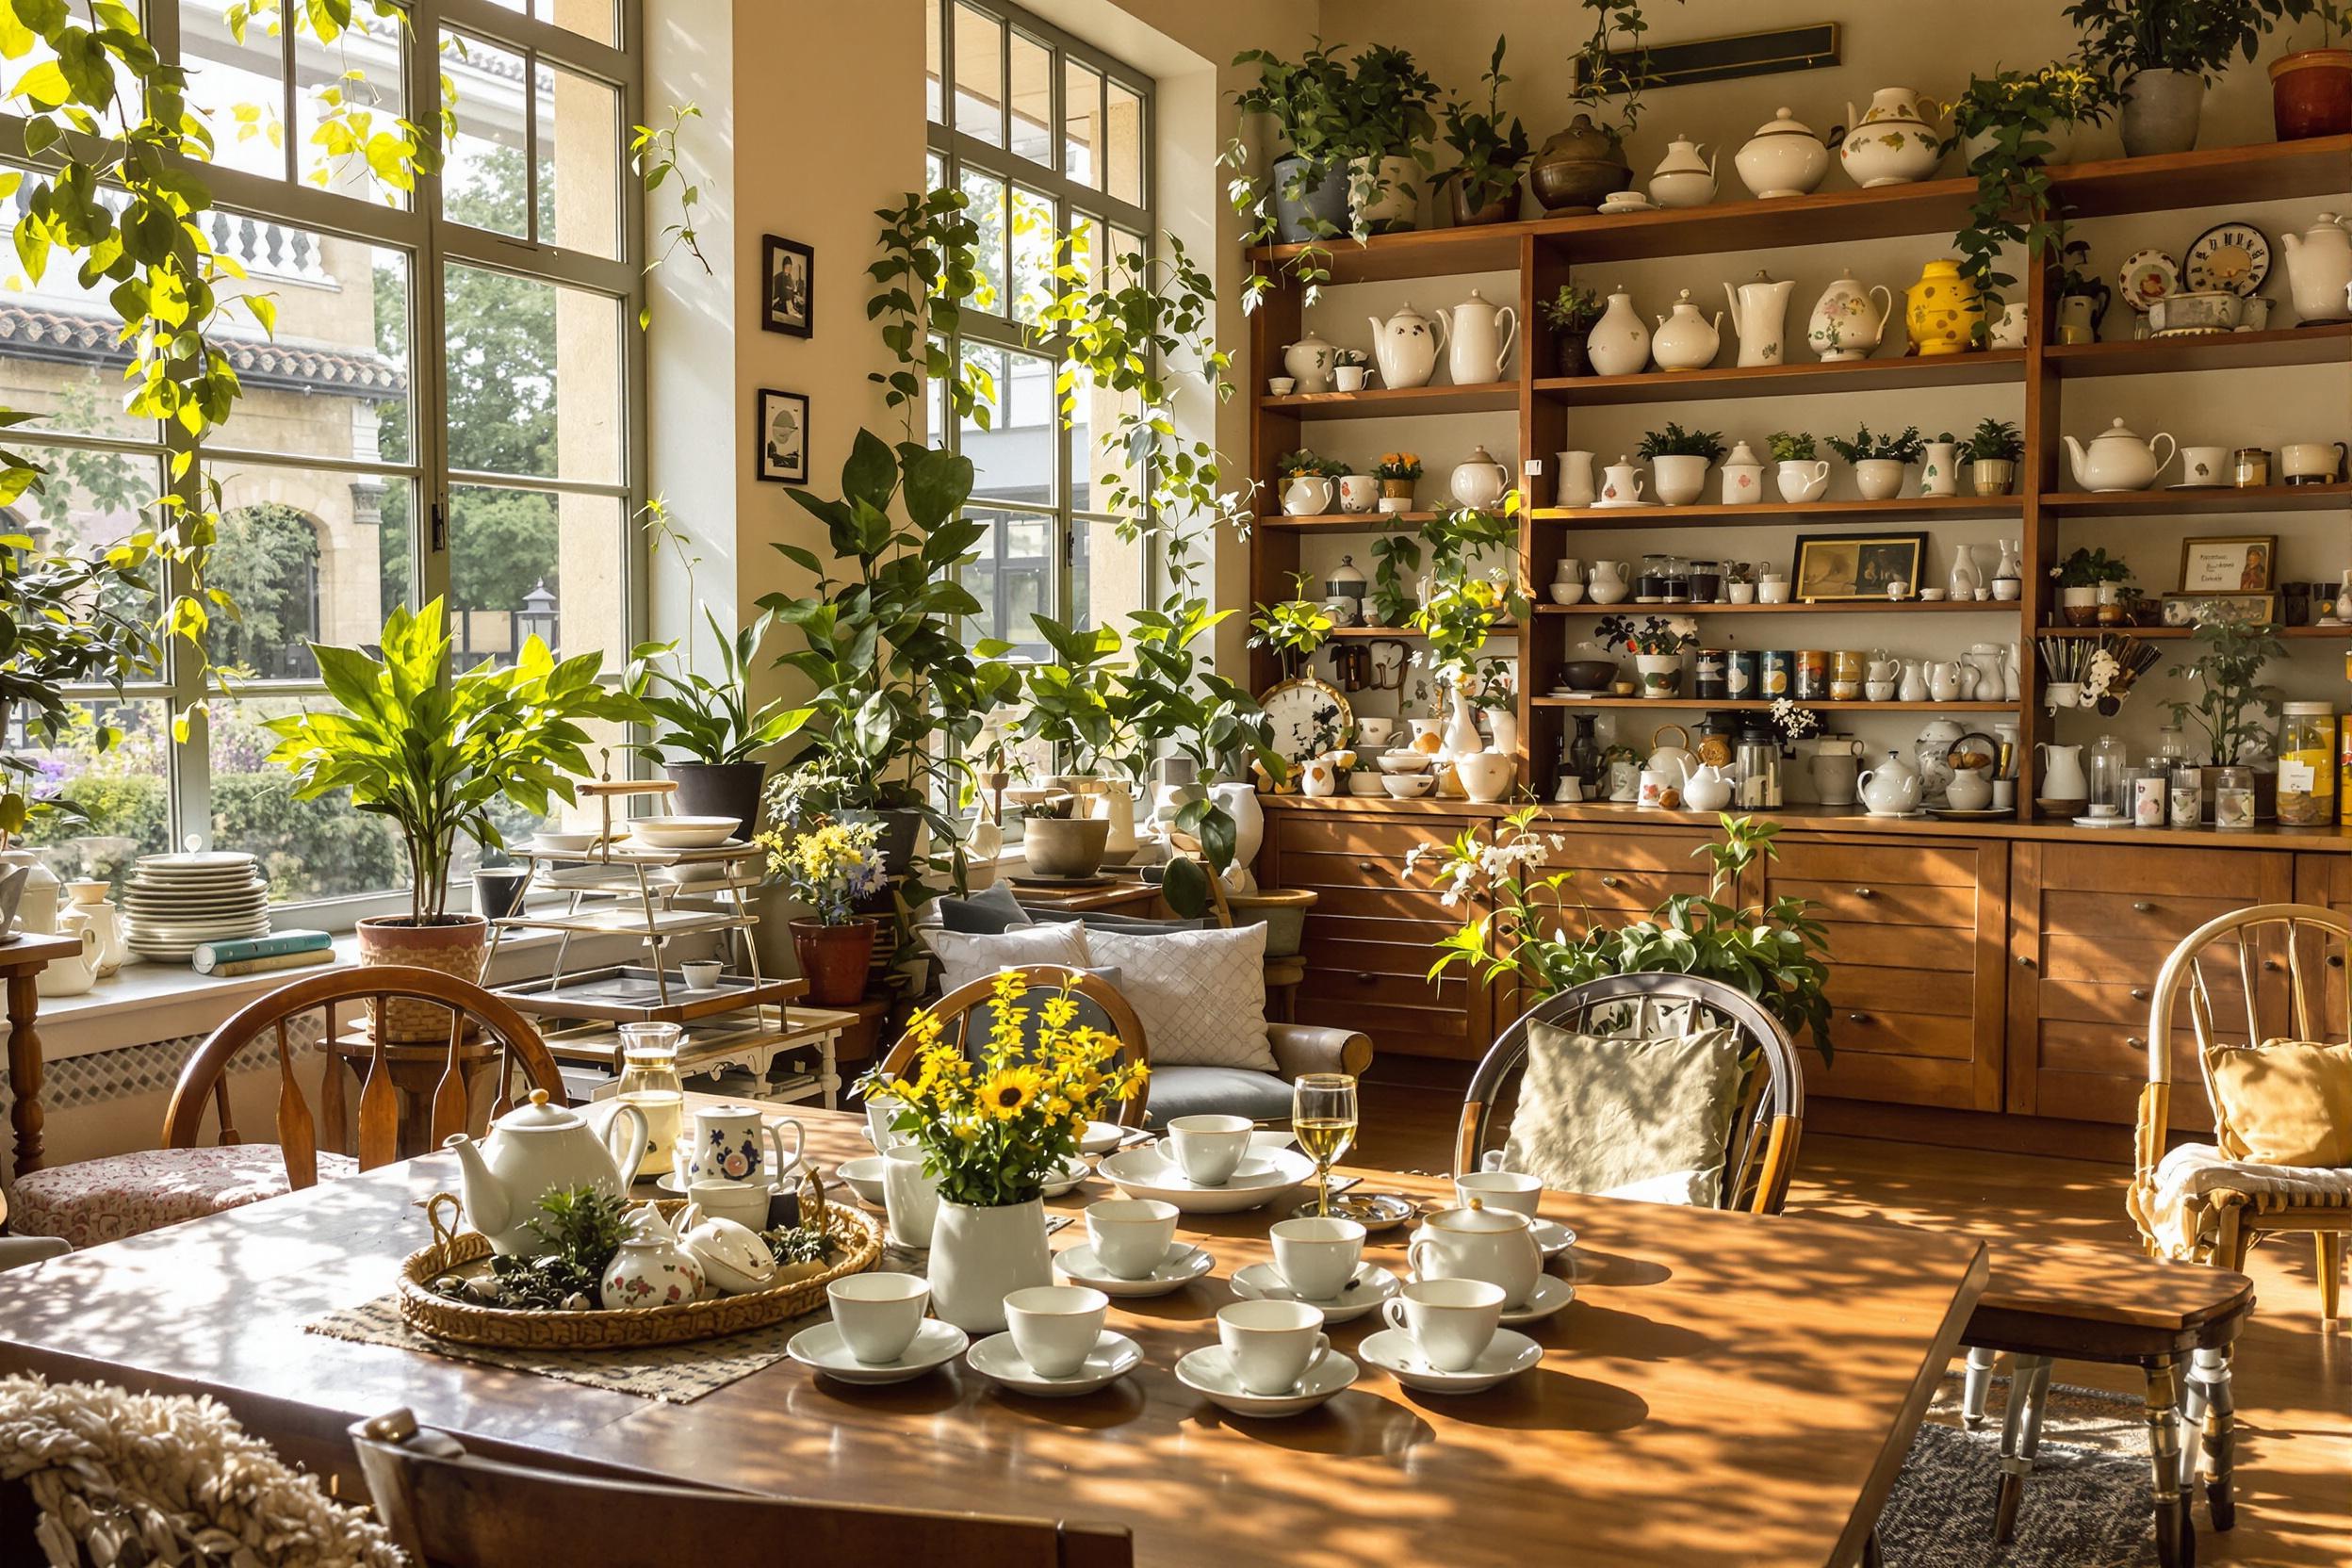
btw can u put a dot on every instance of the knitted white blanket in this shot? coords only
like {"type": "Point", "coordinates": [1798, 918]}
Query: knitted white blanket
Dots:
{"type": "Point", "coordinates": [123, 1478]}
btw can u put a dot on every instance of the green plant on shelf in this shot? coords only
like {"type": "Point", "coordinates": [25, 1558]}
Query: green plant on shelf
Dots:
{"type": "Point", "coordinates": [1489, 151]}
{"type": "Point", "coordinates": [1304, 464]}
{"type": "Point", "coordinates": [1675, 441]}
{"type": "Point", "coordinates": [2015, 115]}
{"type": "Point", "coordinates": [1396, 556]}
{"type": "Point", "coordinates": [1572, 311]}
{"type": "Point", "coordinates": [1293, 629]}
{"type": "Point", "coordinates": [1994, 441]}
{"type": "Point", "coordinates": [2232, 704]}
{"type": "Point", "coordinates": [2122, 38]}
{"type": "Point", "coordinates": [1866, 447]}
{"type": "Point", "coordinates": [1462, 607]}
{"type": "Point", "coordinates": [2088, 568]}
{"type": "Point", "coordinates": [1790, 446]}
{"type": "Point", "coordinates": [1613, 62]}
{"type": "Point", "coordinates": [1398, 466]}
{"type": "Point", "coordinates": [1657, 636]}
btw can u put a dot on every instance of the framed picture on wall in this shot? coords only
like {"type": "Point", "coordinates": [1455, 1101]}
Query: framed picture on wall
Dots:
{"type": "Point", "coordinates": [1858, 566]}
{"type": "Point", "coordinates": [791, 270]}
{"type": "Point", "coordinates": [780, 431]}
{"type": "Point", "coordinates": [2239, 565]}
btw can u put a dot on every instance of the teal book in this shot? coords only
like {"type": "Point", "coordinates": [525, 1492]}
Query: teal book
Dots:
{"type": "Point", "coordinates": [209, 956]}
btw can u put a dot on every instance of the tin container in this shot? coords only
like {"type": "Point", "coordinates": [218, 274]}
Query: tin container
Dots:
{"type": "Point", "coordinates": [1742, 678]}
{"type": "Point", "coordinates": [1812, 676]}
{"type": "Point", "coordinates": [2249, 467]}
{"type": "Point", "coordinates": [1711, 678]}
{"type": "Point", "coordinates": [2308, 757]}
{"type": "Point", "coordinates": [1845, 675]}
{"type": "Point", "coordinates": [1775, 668]}
{"type": "Point", "coordinates": [2184, 796]}
{"type": "Point", "coordinates": [2149, 786]}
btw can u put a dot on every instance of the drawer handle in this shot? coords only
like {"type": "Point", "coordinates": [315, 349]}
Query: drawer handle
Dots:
{"type": "Point", "coordinates": [2142, 906]}
{"type": "Point", "coordinates": [2139, 993]}
{"type": "Point", "coordinates": [2135, 1042]}
{"type": "Point", "coordinates": [2025, 960]}
{"type": "Point", "coordinates": [1365, 977]}
{"type": "Point", "coordinates": [2335, 960]}
{"type": "Point", "coordinates": [1611, 882]}
{"type": "Point", "coordinates": [1866, 892]}
{"type": "Point", "coordinates": [2270, 966]}
{"type": "Point", "coordinates": [1857, 1017]}
{"type": "Point", "coordinates": [1367, 868]}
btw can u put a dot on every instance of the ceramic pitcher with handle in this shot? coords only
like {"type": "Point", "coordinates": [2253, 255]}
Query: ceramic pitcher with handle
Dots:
{"type": "Point", "coordinates": [1478, 337]}
{"type": "Point", "coordinates": [1405, 347]}
{"type": "Point", "coordinates": [1760, 317]}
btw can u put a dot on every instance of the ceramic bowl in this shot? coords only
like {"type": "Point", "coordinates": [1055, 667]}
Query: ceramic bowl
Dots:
{"type": "Point", "coordinates": [1587, 675]}
{"type": "Point", "coordinates": [1567, 593]}
{"type": "Point", "coordinates": [1403, 762]}
{"type": "Point", "coordinates": [566, 843]}
{"type": "Point", "coordinates": [684, 832]}
{"type": "Point", "coordinates": [1407, 785]}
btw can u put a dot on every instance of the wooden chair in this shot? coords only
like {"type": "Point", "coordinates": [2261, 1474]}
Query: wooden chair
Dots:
{"type": "Point", "coordinates": [122, 1195]}
{"type": "Point", "coordinates": [1761, 1153]}
{"type": "Point", "coordinates": [447, 1509]}
{"type": "Point", "coordinates": [957, 1008]}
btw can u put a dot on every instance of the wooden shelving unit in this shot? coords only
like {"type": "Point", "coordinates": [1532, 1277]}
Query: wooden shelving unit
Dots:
{"type": "Point", "coordinates": [1837, 607]}
{"type": "Point", "coordinates": [1541, 253]}
{"type": "Point", "coordinates": [1764, 703]}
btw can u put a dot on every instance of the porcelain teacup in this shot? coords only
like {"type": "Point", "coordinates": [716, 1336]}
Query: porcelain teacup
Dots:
{"type": "Point", "coordinates": [881, 1110]}
{"type": "Point", "coordinates": [1515, 1190]}
{"type": "Point", "coordinates": [1451, 1322]}
{"type": "Point", "coordinates": [1130, 1236]}
{"type": "Point", "coordinates": [1477, 1242]}
{"type": "Point", "coordinates": [911, 1200]}
{"type": "Point", "coordinates": [878, 1315]}
{"type": "Point", "coordinates": [1271, 1344]}
{"type": "Point", "coordinates": [1208, 1148]}
{"type": "Point", "coordinates": [733, 1143]}
{"type": "Point", "coordinates": [1317, 1257]}
{"type": "Point", "coordinates": [1054, 1326]}
{"type": "Point", "coordinates": [744, 1202]}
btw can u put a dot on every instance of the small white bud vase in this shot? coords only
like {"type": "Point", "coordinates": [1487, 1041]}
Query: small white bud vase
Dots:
{"type": "Point", "coordinates": [981, 1255]}
{"type": "Point", "coordinates": [1939, 469]}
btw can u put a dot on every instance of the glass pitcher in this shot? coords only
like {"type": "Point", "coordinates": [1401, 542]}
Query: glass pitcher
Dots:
{"type": "Point", "coordinates": [649, 1081]}
{"type": "Point", "coordinates": [2110, 768]}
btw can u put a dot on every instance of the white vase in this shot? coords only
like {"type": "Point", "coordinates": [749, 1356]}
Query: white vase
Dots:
{"type": "Point", "coordinates": [1681, 477]}
{"type": "Point", "coordinates": [1241, 803]}
{"type": "Point", "coordinates": [1119, 806]}
{"type": "Point", "coordinates": [1879, 479]}
{"type": "Point", "coordinates": [1461, 730]}
{"type": "Point", "coordinates": [1504, 723]}
{"type": "Point", "coordinates": [1939, 471]}
{"type": "Point", "coordinates": [980, 1256]}
{"type": "Point", "coordinates": [1619, 343]}
{"type": "Point", "coordinates": [1486, 776]}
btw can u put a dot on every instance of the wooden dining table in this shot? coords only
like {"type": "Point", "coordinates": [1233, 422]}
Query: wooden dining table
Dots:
{"type": "Point", "coordinates": [1725, 1389]}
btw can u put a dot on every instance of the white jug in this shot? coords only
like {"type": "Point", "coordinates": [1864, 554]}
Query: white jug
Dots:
{"type": "Point", "coordinates": [2319, 270]}
{"type": "Point", "coordinates": [1405, 347]}
{"type": "Point", "coordinates": [1619, 343]}
{"type": "Point", "coordinates": [1848, 319]}
{"type": "Point", "coordinates": [2061, 784]}
{"type": "Point", "coordinates": [1576, 480]}
{"type": "Point", "coordinates": [1914, 687]}
{"type": "Point", "coordinates": [1759, 317]}
{"type": "Point", "coordinates": [1477, 338]}
{"type": "Point", "coordinates": [1611, 583]}
{"type": "Point", "coordinates": [77, 973]}
{"type": "Point", "coordinates": [89, 898]}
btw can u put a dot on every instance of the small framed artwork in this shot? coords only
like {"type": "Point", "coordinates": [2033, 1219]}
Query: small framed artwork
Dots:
{"type": "Point", "coordinates": [2240, 565]}
{"type": "Point", "coordinates": [2193, 609]}
{"type": "Point", "coordinates": [791, 270]}
{"type": "Point", "coordinates": [1835, 567]}
{"type": "Point", "coordinates": [780, 430]}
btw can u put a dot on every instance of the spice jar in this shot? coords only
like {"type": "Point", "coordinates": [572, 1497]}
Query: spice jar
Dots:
{"type": "Point", "coordinates": [1845, 675]}
{"type": "Point", "coordinates": [2184, 795]}
{"type": "Point", "coordinates": [2306, 758]}
{"type": "Point", "coordinates": [2233, 798]}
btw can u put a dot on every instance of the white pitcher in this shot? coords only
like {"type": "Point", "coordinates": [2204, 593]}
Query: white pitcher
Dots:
{"type": "Point", "coordinates": [77, 973]}
{"type": "Point", "coordinates": [2060, 775]}
{"type": "Point", "coordinates": [1611, 583]}
{"type": "Point", "coordinates": [1478, 337]}
{"type": "Point", "coordinates": [1760, 317]}
{"type": "Point", "coordinates": [1405, 347]}
{"type": "Point", "coordinates": [1576, 480]}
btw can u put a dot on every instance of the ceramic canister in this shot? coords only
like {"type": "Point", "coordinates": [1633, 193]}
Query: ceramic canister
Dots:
{"type": "Point", "coordinates": [1740, 674]}
{"type": "Point", "coordinates": [1712, 678]}
{"type": "Point", "coordinates": [1775, 668]}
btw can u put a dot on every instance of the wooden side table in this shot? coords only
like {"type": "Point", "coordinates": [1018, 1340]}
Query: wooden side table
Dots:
{"type": "Point", "coordinates": [21, 963]}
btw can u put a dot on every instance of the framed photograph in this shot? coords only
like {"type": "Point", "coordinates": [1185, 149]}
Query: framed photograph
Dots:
{"type": "Point", "coordinates": [1835, 567]}
{"type": "Point", "coordinates": [2243, 565]}
{"type": "Point", "coordinates": [780, 431]}
{"type": "Point", "coordinates": [791, 270]}
{"type": "Point", "coordinates": [2192, 610]}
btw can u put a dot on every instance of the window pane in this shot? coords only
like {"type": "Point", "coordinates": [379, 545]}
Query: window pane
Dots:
{"type": "Point", "coordinates": [512, 342]}
{"type": "Point", "coordinates": [355, 84]}
{"type": "Point", "coordinates": [579, 161]}
{"type": "Point", "coordinates": [333, 380]}
{"type": "Point", "coordinates": [482, 86]}
{"type": "Point", "coordinates": [240, 87]}
{"type": "Point", "coordinates": [979, 76]}
{"type": "Point", "coordinates": [1096, 470]}
{"type": "Point", "coordinates": [1082, 112]}
{"type": "Point", "coordinates": [987, 197]}
{"type": "Point", "coordinates": [544, 561]}
{"type": "Point", "coordinates": [310, 849]}
{"type": "Point", "coordinates": [934, 71]}
{"type": "Point", "coordinates": [87, 500]}
{"type": "Point", "coordinates": [590, 19]}
{"type": "Point", "coordinates": [309, 555]}
{"type": "Point", "coordinates": [122, 790]}
{"type": "Point", "coordinates": [1034, 283]}
{"type": "Point", "coordinates": [1123, 149]}
{"type": "Point", "coordinates": [1013, 580]}
{"type": "Point", "coordinates": [1032, 65]}
{"type": "Point", "coordinates": [1014, 459]}
{"type": "Point", "coordinates": [1107, 574]}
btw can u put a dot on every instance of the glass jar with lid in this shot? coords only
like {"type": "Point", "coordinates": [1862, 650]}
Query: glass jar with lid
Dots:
{"type": "Point", "coordinates": [1677, 580]}
{"type": "Point", "coordinates": [2307, 759]}
{"type": "Point", "coordinates": [2233, 798]}
{"type": "Point", "coordinates": [1706, 582]}
{"type": "Point", "coordinates": [1650, 587]}
{"type": "Point", "coordinates": [649, 1081]}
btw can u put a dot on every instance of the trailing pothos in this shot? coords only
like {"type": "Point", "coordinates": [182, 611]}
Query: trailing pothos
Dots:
{"type": "Point", "coordinates": [1463, 607]}
{"type": "Point", "coordinates": [2017, 113]}
{"type": "Point", "coordinates": [928, 271]}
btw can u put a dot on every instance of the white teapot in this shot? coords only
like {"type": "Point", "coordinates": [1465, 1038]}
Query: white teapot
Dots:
{"type": "Point", "coordinates": [89, 898]}
{"type": "Point", "coordinates": [2319, 270]}
{"type": "Point", "coordinates": [533, 1150]}
{"type": "Point", "coordinates": [1682, 177]}
{"type": "Point", "coordinates": [1478, 481]}
{"type": "Point", "coordinates": [1891, 789]}
{"type": "Point", "coordinates": [1895, 140]}
{"type": "Point", "coordinates": [1687, 340]}
{"type": "Point", "coordinates": [1478, 1243]}
{"type": "Point", "coordinates": [1478, 336]}
{"type": "Point", "coordinates": [1310, 360]}
{"type": "Point", "coordinates": [1405, 347]}
{"type": "Point", "coordinates": [78, 973]}
{"type": "Point", "coordinates": [1848, 320]}
{"type": "Point", "coordinates": [1783, 158]}
{"type": "Point", "coordinates": [1707, 787]}
{"type": "Point", "coordinates": [2117, 459]}
{"type": "Point", "coordinates": [650, 1268]}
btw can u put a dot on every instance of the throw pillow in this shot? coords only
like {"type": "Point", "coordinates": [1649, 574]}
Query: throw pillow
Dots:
{"type": "Point", "coordinates": [1200, 994]}
{"type": "Point", "coordinates": [968, 956]}
{"type": "Point", "coordinates": [2283, 1102]}
{"type": "Point", "coordinates": [988, 911]}
{"type": "Point", "coordinates": [1644, 1116]}
{"type": "Point", "coordinates": [1103, 920]}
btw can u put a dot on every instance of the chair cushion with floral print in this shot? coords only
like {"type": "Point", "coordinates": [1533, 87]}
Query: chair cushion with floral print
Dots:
{"type": "Point", "coordinates": [108, 1198]}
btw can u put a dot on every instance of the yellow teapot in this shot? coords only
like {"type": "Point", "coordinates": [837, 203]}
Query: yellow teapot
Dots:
{"type": "Point", "coordinates": [1942, 310]}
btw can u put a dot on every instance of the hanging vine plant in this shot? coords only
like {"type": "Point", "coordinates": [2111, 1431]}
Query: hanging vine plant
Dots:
{"type": "Point", "coordinates": [2015, 118]}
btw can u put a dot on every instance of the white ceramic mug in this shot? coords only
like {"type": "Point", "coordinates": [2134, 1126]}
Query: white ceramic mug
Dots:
{"type": "Point", "coordinates": [1271, 1345]}
{"type": "Point", "coordinates": [1497, 1188]}
{"type": "Point", "coordinates": [1359, 492]}
{"type": "Point", "coordinates": [731, 1143]}
{"type": "Point", "coordinates": [1209, 1148]}
{"type": "Point", "coordinates": [878, 1315]}
{"type": "Point", "coordinates": [2311, 461]}
{"type": "Point", "coordinates": [1773, 590]}
{"type": "Point", "coordinates": [702, 975]}
{"type": "Point", "coordinates": [1451, 1322]}
{"type": "Point", "coordinates": [1131, 1235]}
{"type": "Point", "coordinates": [911, 1200]}
{"type": "Point", "coordinates": [744, 1202]}
{"type": "Point", "coordinates": [1654, 787]}
{"type": "Point", "coordinates": [1054, 1327]}
{"type": "Point", "coordinates": [1317, 1257]}
{"type": "Point", "coordinates": [2205, 464]}
{"type": "Point", "coordinates": [1373, 733]}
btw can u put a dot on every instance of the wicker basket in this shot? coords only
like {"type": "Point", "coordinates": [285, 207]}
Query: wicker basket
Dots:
{"type": "Point", "coordinates": [629, 1328]}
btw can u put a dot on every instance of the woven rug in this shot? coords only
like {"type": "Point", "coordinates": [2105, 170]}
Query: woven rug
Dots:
{"type": "Point", "coordinates": [2085, 1505]}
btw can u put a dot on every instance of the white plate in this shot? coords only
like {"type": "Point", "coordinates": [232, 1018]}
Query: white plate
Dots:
{"type": "Point", "coordinates": [1208, 1373]}
{"type": "Point", "coordinates": [2148, 276]}
{"type": "Point", "coordinates": [1261, 1179]}
{"type": "Point", "coordinates": [1621, 506]}
{"type": "Point", "coordinates": [1551, 1293]}
{"type": "Point", "coordinates": [1183, 1264]}
{"type": "Point", "coordinates": [1102, 1138]}
{"type": "Point", "coordinates": [821, 1347]}
{"type": "Point", "coordinates": [2118, 821]}
{"type": "Point", "coordinates": [1113, 1357]}
{"type": "Point", "coordinates": [212, 859]}
{"type": "Point", "coordinates": [1554, 1237]}
{"type": "Point", "coordinates": [190, 935]}
{"type": "Point", "coordinates": [1394, 1352]}
{"type": "Point", "coordinates": [1266, 1140]}
{"type": "Point", "coordinates": [1371, 1286]}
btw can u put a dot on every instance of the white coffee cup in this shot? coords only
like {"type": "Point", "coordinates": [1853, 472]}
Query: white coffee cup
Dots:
{"type": "Point", "coordinates": [744, 1202]}
{"type": "Point", "coordinates": [911, 1200]}
{"type": "Point", "coordinates": [881, 1110]}
{"type": "Point", "coordinates": [1317, 1257]}
{"type": "Point", "coordinates": [1271, 1344]}
{"type": "Point", "coordinates": [1209, 1148]}
{"type": "Point", "coordinates": [1054, 1327]}
{"type": "Point", "coordinates": [2309, 460]}
{"type": "Point", "coordinates": [878, 1315]}
{"type": "Point", "coordinates": [2205, 464]}
{"type": "Point", "coordinates": [1450, 1321]}
{"type": "Point", "coordinates": [702, 975]}
{"type": "Point", "coordinates": [1131, 1235]}
{"type": "Point", "coordinates": [1773, 590]}
{"type": "Point", "coordinates": [1515, 1190]}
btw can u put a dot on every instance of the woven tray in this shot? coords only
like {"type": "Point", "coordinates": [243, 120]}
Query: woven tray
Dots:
{"type": "Point", "coordinates": [533, 1329]}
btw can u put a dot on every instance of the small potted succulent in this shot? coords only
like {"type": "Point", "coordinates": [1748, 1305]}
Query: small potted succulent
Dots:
{"type": "Point", "coordinates": [1658, 645]}
{"type": "Point", "coordinates": [2091, 587]}
{"type": "Point", "coordinates": [1797, 467]}
{"type": "Point", "coordinates": [1994, 451]}
{"type": "Point", "coordinates": [1680, 459]}
{"type": "Point", "coordinates": [1570, 314]}
{"type": "Point", "coordinates": [1879, 460]}
{"type": "Point", "coordinates": [1396, 473]}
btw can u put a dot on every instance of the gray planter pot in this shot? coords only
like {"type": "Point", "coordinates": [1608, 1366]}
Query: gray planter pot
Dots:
{"type": "Point", "coordinates": [1318, 212]}
{"type": "Point", "coordinates": [720, 790]}
{"type": "Point", "coordinates": [2161, 110]}
{"type": "Point", "coordinates": [1064, 846]}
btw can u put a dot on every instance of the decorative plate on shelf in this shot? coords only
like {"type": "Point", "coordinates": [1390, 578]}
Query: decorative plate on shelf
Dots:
{"type": "Point", "coordinates": [2233, 257]}
{"type": "Point", "coordinates": [2146, 277]}
{"type": "Point", "coordinates": [1307, 717]}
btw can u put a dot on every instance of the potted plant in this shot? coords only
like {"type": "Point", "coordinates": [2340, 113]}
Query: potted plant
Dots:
{"type": "Point", "coordinates": [994, 1129]}
{"type": "Point", "coordinates": [436, 754]}
{"type": "Point", "coordinates": [1364, 775]}
{"type": "Point", "coordinates": [1348, 368]}
{"type": "Point", "coordinates": [1308, 483]}
{"type": "Point", "coordinates": [1578, 168]}
{"type": "Point", "coordinates": [2163, 54]}
{"type": "Point", "coordinates": [2233, 708]}
{"type": "Point", "coordinates": [1797, 467]}
{"type": "Point", "coordinates": [711, 722]}
{"type": "Point", "coordinates": [1656, 644]}
{"type": "Point", "coordinates": [1393, 98]}
{"type": "Point", "coordinates": [1679, 460]}
{"type": "Point", "coordinates": [833, 868]}
{"type": "Point", "coordinates": [1292, 630]}
{"type": "Point", "coordinates": [2090, 581]}
{"type": "Point", "coordinates": [1397, 472]}
{"type": "Point", "coordinates": [1994, 450]}
{"type": "Point", "coordinates": [2311, 89]}
{"type": "Point", "coordinates": [2011, 126]}
{"type": "Point", "coordinates": [1306, 194]}
{"type": "Point", "coordinates": [1570, 314]}
{"type": "Point", "coordinates": [1879, 460]}
{"type": "Point", "coordinates": [1483, 185]}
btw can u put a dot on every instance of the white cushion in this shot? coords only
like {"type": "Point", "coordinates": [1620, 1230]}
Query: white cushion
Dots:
{"type": "Point", "coordinates": [1200, 994]}
{"type": "Point", "coordinates": [968, 956]}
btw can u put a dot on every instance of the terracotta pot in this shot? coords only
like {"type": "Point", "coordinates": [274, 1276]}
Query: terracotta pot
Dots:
{"type": "Point", "coordinates": [1568, 355]}
{"type": "Point", "coordinates": [833, 959]}
{"type": "Point", "coordinates": [455, 945]}
{"type": "Point", "coordinates": [1502, 209]}
{"type": "Point", "coordinates": [1577, 169]}
{"type": "Point", "coordinates": [2311, 93]}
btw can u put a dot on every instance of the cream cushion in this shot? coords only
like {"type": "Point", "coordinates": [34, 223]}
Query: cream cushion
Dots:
{"type": "Point", "coordinates": [1634, 1115]}
{"type": "Point", "coordinates": [1200, 994]}
{"type": "Point", "coordinates": [127, 1195]}
{"type": "Point", "coordinates": [968, 956]}
{"type": "Point", "coordinates": [2283, 1102]}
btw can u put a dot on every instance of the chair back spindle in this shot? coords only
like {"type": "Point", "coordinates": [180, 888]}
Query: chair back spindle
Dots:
{"type": "Point", "coordinates": [297, 1134]}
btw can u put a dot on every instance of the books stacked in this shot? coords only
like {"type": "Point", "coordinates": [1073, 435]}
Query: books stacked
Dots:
{"type": "Point", "coordinates": [258, 954]}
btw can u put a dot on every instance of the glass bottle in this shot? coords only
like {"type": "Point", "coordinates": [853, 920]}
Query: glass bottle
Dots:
{"type": "Point", "coordinates": [649, 1081]}
{"type": "Point", "coordinates": [2184, 795]}
{"type": "Point", "coordinates": [2233, 798]}
{"type": "Point", "coordinates": [1584, 753]}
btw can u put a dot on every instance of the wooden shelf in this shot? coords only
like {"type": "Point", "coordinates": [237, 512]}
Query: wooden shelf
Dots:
{"type": "Point", "coordinates": [1757, 381]}
{"type": "Point", "coordinates": [1406, 634]}
{"type": "Point", "coordinates": [1348, 521]}
{"type": "Point", "coordinates": [1841, 607]}
{"type": "Point", "coordinates": [2328, 344]}
{"type": "Point", "coordinates": [1764, 705]}
{"type": "Point", "coordinates": [1383, 402]}
{"type": "Point", "coordinates": [2165, 634]}
{"type": "Point", "coordinates": [1707, 515]}
{"type": "Point", "coordinates": [2199, 504]}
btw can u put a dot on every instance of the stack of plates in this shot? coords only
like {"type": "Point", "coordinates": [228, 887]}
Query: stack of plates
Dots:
{"type": "Point", "coordinates": [178, 902]}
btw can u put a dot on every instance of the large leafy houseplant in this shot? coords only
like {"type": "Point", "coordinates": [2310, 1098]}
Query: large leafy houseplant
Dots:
{"type": "Point", "coordinates": [2014, 123]}
{"type": "Point", "coordinates": [2124, 37]}
{"type": "Point", "coordinates": [2233, 702]}
{"type": "Point", "coordinates": [1489, 151]}
{"type": "Point", "coordinates": [709, 736]}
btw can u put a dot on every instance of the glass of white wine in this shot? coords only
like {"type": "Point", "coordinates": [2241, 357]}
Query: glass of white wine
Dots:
{"type": "Point", "coordinates": [1323, 1120]}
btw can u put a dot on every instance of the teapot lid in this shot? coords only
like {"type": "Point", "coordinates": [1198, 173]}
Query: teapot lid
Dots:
{"type": "Point", "coordinates": [1784, 123]}
{"type": "Point", "coordinates": [2119, 432]}
{"type": "Point", "coordinates": [1345, 572]}
{"type": "Point", "coordinates": [1682, 301]}
{"type": "Point", "coordinates": [1477, 1218]}
{"type": "Point", "coordinates": [1740, 453]}
{"type": "Point", "coordinates": [1682, 157]}
{"type": "Point", "coordinates": [1479, 454]}
{"type": "Point", "coordinates": [540, 1117]}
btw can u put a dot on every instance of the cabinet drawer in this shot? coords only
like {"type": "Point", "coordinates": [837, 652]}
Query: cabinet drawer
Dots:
{"type": "Point", "coordinates": [2156, 917]}
{"type": "Point", "coordinates": [1900, 946]}
{"type": "Point", "coordinates": [2237, 878]}
{"type": "Point", "coordinates": [1361, 870]}
{"type": "Point", "coordinates": [1412, 935]}
{"type": "Point", "coordinates": [1400, 1031]}
{"type": "Point", "coordinates": [1388, 902]}
{"type": "Point", "coordinates": [1630, 852]}
{"type": "Point", "coordinates": [2091, 1072]}
{"type": "Point", "coordinates": [1352, 986]}
{"type": "Point", "coordinates": [1873, 989]}
{"type": "Point", "coordinates": [1891, 1034]}
{"type": "Point", "coordinates": [1890, 1079]}
{"type": "Point", "coordinates": [1352, 833]}
{"type": "Point", "coordinates": [1884, 902]}
{"type": "Point", "coordinates": [1873, 865]}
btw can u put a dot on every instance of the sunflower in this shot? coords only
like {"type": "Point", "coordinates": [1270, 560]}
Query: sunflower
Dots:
{"type": "Point", "coordinates": [1009, 1091]}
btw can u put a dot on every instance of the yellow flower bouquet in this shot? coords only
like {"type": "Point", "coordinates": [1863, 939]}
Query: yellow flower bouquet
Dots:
{"type": "Point", "coordinates": [994, 1129]}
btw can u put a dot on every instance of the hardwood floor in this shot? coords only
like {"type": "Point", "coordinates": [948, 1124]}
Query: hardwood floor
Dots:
{"type": "Point", "coordinates": [2293, 1382]}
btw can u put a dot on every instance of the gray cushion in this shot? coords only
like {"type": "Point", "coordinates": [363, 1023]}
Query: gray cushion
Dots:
{"type": "Point", "coordinates": [1222, 1091]}
{"type": "Point", "coordinates": [1126, 925]}
{"type": "Point", "coordinates": [985, 914]}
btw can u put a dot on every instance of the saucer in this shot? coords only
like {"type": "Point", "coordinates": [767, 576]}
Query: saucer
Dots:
{"type": "Point", "coordinates": [1372, 1285]}
{"type": "Point", "coordinates": [2103, 821]}
{"type": "Point", "coordinates": [1375, 1211]}
{"type": "Point", "coordinates": [821, 1347]}
{"type": "Point", "coordinates": [1113, 1357]}
{"type": "Point", "coordinates": [670, 1185]}
{"type": "Point", "coordinates": [1550, 1293]}
{"type": "Point", "coordinates": [1208, 1373]}
{"type": "Point", "coordinates": [1068, 1177]}
{"type": "Point", "coordinates": [1102, 1138]}
{"type": "Point", "coordinates": [1394, 1352]}
{"type": "Point", "coordinates": [1621, 506]}
{"type": "Point", "coordinates": [1183, 1264]}
{"type": "Point", "coordinates": [1262, 1176]}
{"type": "Point", "coordinates": [1552, 1236]}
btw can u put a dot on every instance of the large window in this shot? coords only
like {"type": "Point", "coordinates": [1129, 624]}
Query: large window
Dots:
{"type": "Point", "coordinates": [448, 406]}
{"type": "Point", "coordinates": [1048, 138]}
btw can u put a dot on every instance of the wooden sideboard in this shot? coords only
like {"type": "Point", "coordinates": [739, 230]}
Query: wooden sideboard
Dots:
{"type": "Point", "coordinates": [1991, 967]}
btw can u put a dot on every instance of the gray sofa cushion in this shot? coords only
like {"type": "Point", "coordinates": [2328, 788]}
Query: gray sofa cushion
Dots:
{"type": "Point", "coordinates": [985, 914]}
{"type": "Point", "coordinates": [1222, 1091]}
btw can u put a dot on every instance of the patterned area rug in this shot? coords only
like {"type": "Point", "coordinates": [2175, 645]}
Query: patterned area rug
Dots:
{"type": "Point", "coordinates": [2085, 1505]}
